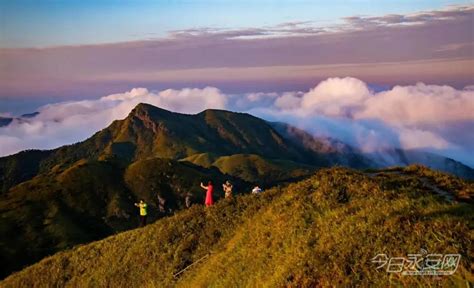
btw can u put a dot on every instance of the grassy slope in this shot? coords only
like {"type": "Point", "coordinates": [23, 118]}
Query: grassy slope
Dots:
{"type": "Point", "coordinates": [173, 180]}
{"type": "Point", "coordinates": [256, 169]}
{"type": "Point", "coordinates": [320, 231]}
{"type": "Point", "coordinates": [50, 213]}
{"type": "Point", "coordinates": [88, 201]}
{"type": "Point", "coordinates": [253, 168]}
{"type": "Point", "coordinates": [151, 131]}
{"type": "Point", "coordinates": [202, 159]}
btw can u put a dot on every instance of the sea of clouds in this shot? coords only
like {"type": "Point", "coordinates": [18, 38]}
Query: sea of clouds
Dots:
{"type": "Point", "coordinates": [428, 117]}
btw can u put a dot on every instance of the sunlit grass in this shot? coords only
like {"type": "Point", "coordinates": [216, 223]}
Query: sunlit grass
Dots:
{"type": "Point", "coordinates": [322, 231]}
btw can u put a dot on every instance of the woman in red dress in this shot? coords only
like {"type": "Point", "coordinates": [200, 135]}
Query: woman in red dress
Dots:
{"type": "Point", "coordinates": [210, 189]}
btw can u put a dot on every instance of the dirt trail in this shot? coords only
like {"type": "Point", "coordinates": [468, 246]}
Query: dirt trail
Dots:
{"type": "Point", "coordinates": [443, 193]}
{"type": "Point", "coordinates": [426, 183]}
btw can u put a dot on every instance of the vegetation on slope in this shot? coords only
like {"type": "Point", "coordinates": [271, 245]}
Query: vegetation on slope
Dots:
{"type": "Point", "coordinates": [90, 200]}
{"type": "Point", "coordinates": [202, 159]}
{"type": "Point", "coordinates": [20, 167]}
{"type": "Point", "coordinates": [321, 231]}
{"type": "Point", "coordinates": [444, 181]}
{"type": "Point", "coordinates": [176, 181]}
{"type": "Point", "coordinates": [151, 131]}
{"type": "Point", "coordinates": [254, 168]}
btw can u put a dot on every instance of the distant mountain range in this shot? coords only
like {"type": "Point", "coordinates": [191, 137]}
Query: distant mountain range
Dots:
{"type": "Point", "coordinates": [5, 121]}
{"type": "Point", "coordinates": [52, 200]}
{"type": "Point", "coordinates": [339, 153]}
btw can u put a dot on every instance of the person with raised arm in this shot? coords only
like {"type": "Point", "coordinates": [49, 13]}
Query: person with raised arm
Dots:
{"type": "Point", "coordinates": [209, 190]}
{"type": "Point", "coordinates": [227, 187]}
{"type": "Point", "coordinates": [143, 212]}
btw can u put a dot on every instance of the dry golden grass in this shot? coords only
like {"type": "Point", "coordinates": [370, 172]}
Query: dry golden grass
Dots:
{"type": "Point", "coordinates": [318, 232]}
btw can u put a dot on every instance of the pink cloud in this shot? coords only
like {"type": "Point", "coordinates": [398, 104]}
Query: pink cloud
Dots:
{"type": "Point", "coordinates": [375, 49]}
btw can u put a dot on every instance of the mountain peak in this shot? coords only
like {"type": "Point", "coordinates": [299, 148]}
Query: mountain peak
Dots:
{"type": "Point", "coordinates": [149, 112]}
{"type": "Point", "coordinates": [146, 108]}
{"type": "Point", "coordinates": [207, 111]}
{"type": "Point", "coordinates": [213, 114]}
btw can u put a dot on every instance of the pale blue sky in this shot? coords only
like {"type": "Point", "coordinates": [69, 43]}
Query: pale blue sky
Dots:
{"type": "Point", "coordinates": [52, 23]}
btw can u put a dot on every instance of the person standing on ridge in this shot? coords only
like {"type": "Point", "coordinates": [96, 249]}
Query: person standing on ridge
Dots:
{"type": "Point", "coordinates": [209, 190]}
{"type": "Point", "coordinates": [256, 190]}
{"type": "Point", "coordinates": [142, 205]}
{"type": "Point", "coordinates": [227, 187]}
{"type": "Point", "coordinates": [161, 204]}
{"type": "Point", "coordinates": [187, 200]}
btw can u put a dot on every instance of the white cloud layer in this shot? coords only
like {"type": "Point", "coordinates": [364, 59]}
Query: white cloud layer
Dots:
{"type": "Point", "coordinates": [420, 116]}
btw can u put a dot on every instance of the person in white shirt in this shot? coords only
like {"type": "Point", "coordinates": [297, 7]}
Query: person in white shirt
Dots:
{"type": "Point", "coordinates": [227, 187]}
{"type": "Point", "coordinates": [256, 190]}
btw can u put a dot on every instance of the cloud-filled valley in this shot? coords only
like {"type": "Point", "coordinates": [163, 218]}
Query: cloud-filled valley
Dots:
{"type": "Point", "coordinates": [428, 117]}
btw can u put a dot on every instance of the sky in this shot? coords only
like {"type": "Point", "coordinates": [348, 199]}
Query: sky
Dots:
{"type": "Point", "coordinates": [371, 73]}
{"type": "Point", "coordinates": [56, 23]}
